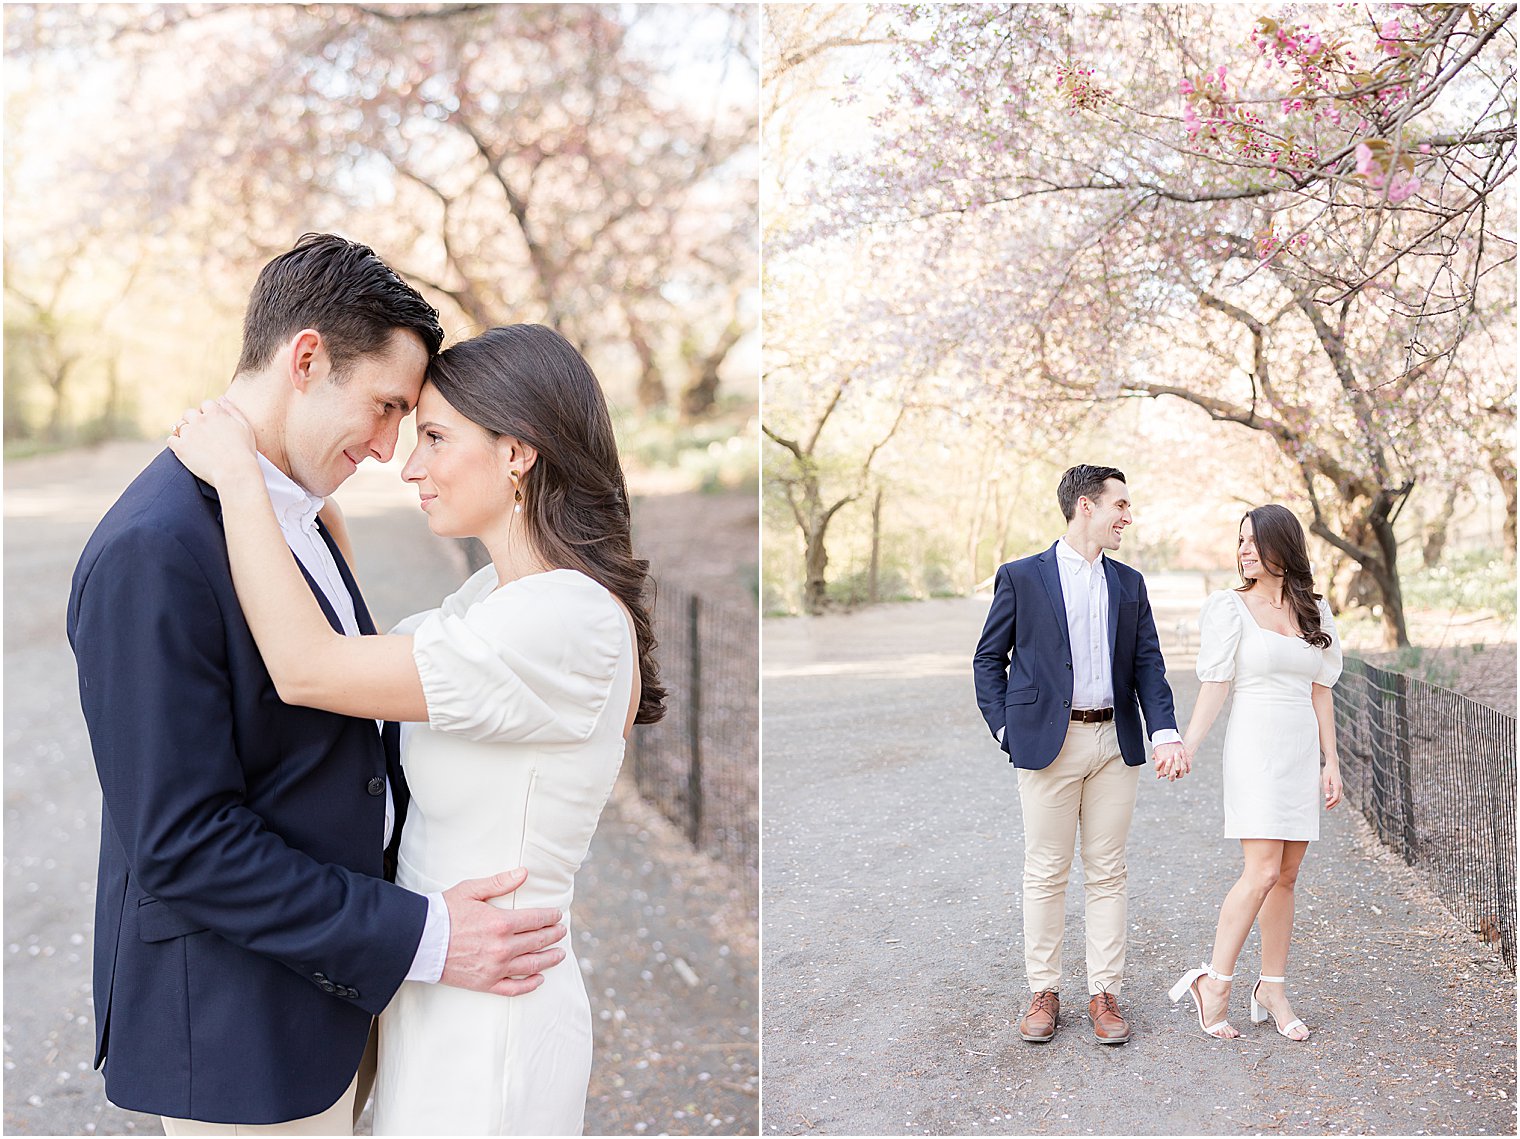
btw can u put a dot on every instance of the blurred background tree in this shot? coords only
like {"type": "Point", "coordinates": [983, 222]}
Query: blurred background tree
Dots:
{"type": "Point", "coordinates": [590, 167]}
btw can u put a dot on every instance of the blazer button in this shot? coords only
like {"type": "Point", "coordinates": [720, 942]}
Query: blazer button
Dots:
{"type": "Point", "coordinates": [1068, 664]}
{"type": "Point", "coordinates": [1068, 703]}
{"type": "Point", "coordinates": [319, 977]}
{"type": "Point", "coordinates": [376, 786]}
{"type": "Point", "coordinates": [329, 987]}
{"type": "Point", "coordinates": [351, 993]}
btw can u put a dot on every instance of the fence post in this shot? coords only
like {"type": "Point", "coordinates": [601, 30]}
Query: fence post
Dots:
{"type": "Point", "coordinates": [694, 721]}
{"type": "Point", "coordinates": [1378, 751]}
{"type": "Point", "coordinates": [1404, 756]}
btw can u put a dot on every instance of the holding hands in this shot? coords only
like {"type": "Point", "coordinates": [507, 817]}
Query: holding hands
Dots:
{"type": "Point", "coordinates": [1173, 761]}
{"type": "Point", "coordinates": [215, 442]}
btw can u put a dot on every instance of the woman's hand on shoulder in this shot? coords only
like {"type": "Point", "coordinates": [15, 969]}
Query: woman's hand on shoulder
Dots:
{"type": "Point", "coordinates": [215, 442]}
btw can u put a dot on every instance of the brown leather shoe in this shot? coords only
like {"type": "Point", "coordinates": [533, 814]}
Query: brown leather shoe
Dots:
{"type": "Point", "coordinates": [1109, 1025]}
{"type": "Point", "coordinates": [1039, 1023]}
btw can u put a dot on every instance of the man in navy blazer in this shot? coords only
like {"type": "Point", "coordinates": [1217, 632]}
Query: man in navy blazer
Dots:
{"type": "Point", "coordinates": [1067, 665]}
{"type": "Point", "coordinates": [246, 934]}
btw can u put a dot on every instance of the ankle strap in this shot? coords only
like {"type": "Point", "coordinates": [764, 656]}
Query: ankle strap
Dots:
{"type": "Point", "coordinates": [1272, 980]}
{"type": "Point", "coordinates": [1208, 968]}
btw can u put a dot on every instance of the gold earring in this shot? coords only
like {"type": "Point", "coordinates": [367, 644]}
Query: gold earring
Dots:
{"type": "Point", "coordinates": [516, 493]}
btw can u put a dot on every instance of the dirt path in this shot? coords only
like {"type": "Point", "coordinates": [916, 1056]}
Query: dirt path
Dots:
{"type": "Point", "coordinates": [893, 946]}
{"type": "Point", "coordinates": [664, 939]}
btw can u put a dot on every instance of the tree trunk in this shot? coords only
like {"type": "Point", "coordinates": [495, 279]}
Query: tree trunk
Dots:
{"type": "Point", "coordinates": [1375, 579]}
{"type": "Point", "coordinates": [816, 562]}
{"type": "Point", "coordinates": [1439, 530]}
{"type": "Point", "coordinates": [57, 382]}
{"type": "Point", "coordinates": [651, 388]}
{"type": "Point", "coordinates": [1395, 631]}
{"type": "Point", "coordinates": [1503, 468]}
{"type": "Point", "coordinates": [873, 592]}
{"type": "Point", "coordinates": [701, 394]}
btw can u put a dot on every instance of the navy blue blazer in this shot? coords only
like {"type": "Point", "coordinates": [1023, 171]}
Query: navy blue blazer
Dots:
{"type": "Point", "coordinates": [1023, 662]}
{"type": "Point", "coordinates": [244, 933]}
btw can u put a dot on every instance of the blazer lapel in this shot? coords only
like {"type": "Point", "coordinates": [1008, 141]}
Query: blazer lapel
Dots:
{"type": "Point", "coordinates": [1050, 574]}
{"type": "Point", "coordinates": [327, 610]}
{"type": "Point", "coordinates": [361, 614]}
{"type": "Point", "coordinates": [1114, 597]}
{"type": "Point", "coordinates": [390, 732]}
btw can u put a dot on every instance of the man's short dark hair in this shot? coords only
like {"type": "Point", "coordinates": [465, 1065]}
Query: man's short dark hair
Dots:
{"type": "Point", "coordinates": [341, 289]}
{"type": "Point", "coordinates": [1084, 480]}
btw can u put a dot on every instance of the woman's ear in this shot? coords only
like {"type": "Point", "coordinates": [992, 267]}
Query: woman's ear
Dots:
{"type": "Point", "coordinates": [518, 454]}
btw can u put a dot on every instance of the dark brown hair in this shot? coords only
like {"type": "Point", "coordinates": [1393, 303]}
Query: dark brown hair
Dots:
{"type": "Point", "coordinates": [1083, 481]}
{"type": "Point", "coordinates": [1281, 548]}
{"type": "Point", "coordinates": [341, 289]}
{"type": "Point", "coordinates": [529, 382]}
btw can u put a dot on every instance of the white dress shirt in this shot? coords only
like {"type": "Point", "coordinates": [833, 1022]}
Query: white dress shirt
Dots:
{"type": "Point", "coordinates": [297, 511]}
{"type": "Point", "coordinates": [1084, 588]}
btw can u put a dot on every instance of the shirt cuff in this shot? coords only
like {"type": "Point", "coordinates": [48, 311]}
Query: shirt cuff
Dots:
{"type": "Point", "coordinates": [1000, 732]}
{"type": "Point", "coordinates": [1165, 736]}
{"type": "Point", "coordinates": [433, 949]}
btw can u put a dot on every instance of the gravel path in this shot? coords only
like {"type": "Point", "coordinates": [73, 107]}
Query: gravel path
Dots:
{"type": "Point", "coordinates": [663, 934]}
{"type": "Point", "coordinates": [893, 945]}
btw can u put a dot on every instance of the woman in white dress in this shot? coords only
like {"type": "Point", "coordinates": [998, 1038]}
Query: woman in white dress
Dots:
{"type": "Point", "coordinates": [1274, 639]}
{"type": "Point", "coordinates": [517, 693]}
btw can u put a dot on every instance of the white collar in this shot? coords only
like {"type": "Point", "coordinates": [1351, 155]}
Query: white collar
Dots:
{"type": "Point", "coordinates": [1069, 554]}
{"type": "Point", "coordinates": [293, 505]}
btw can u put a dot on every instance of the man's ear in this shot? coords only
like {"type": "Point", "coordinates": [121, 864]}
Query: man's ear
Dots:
{"type": "Point", "coordinates": [306, 359]}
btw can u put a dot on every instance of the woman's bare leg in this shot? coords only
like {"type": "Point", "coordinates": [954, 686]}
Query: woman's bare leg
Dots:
{"type": "Point", "coordinates": [1276, 920]}
{"type": "Point", "coordinates": [1258, 878]}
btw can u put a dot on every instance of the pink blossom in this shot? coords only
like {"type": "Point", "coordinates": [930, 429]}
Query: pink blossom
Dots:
{"type": "Point", "coordinates": [1424, 148]}
{"type": "Point", "coordinates": [1364, 161]}
{"type": "Point", "coordinates": [1186, 87]}
{"type": "Point", "coordinates": [1311, 45]}
{"type": "Point", "coordinates": [1402, 186]}
{"type": "Point", "coordinates": [1190, 120]}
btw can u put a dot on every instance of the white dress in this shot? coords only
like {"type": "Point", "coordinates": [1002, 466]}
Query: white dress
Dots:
{"type": "Point", "coordinates": [1271, 747]}
{"type": "Point", "coordinates": [527, 692]}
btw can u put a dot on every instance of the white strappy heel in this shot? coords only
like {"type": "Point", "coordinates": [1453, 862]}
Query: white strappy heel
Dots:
{"type": "Point", "coordinates": [1186, 983]}
{"type": "Point", "coordinates": [1259, 1014]}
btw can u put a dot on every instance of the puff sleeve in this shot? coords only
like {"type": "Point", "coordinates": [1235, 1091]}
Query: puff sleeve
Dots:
{"type": "Point", "coordinates": [1218, 637]}
{"type": "Point", "coordinates": [477, 586]}
{"type": "Point", "coordinates": [530, 663]}
{"type": "Point", "coordinates": [1330, 657]}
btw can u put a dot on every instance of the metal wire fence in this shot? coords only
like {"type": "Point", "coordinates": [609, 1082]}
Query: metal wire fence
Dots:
{"type": "Point", "coordinates": [700, 765]}
{"type": "Point", "coordinates": [1434, 772]}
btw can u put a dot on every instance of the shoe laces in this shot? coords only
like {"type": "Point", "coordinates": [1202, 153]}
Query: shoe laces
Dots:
{"type": "Point", "coordinates": [1106, 1003]}
{"type": "Point", "coordinates": [1046, 1001]}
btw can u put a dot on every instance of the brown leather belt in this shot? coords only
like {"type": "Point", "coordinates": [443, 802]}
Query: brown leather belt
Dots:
{"type": "Point", "coordinates": [1092, 715]}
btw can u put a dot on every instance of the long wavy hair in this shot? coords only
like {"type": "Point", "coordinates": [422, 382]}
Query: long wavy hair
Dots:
{"type": "Point", "coordinates": [1281, 548]}
{"type": "Point", "coordinates": [529, 382]}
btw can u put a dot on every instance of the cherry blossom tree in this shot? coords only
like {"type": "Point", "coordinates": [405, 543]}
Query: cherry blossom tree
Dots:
{"type": "Point", "coordinates": [1294, 224]}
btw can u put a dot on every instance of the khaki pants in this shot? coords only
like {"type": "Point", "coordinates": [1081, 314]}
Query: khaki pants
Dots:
{"type": "Point", "coordinates": [339, 1119]}
{"type": "Point", "coordinates": [1086, 787]}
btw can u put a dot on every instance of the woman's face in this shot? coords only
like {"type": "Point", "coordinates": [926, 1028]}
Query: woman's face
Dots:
{"type": "Point", "coordinates": [459, 470]}
{"type": "Point", "coordinates": [1251, 564]}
